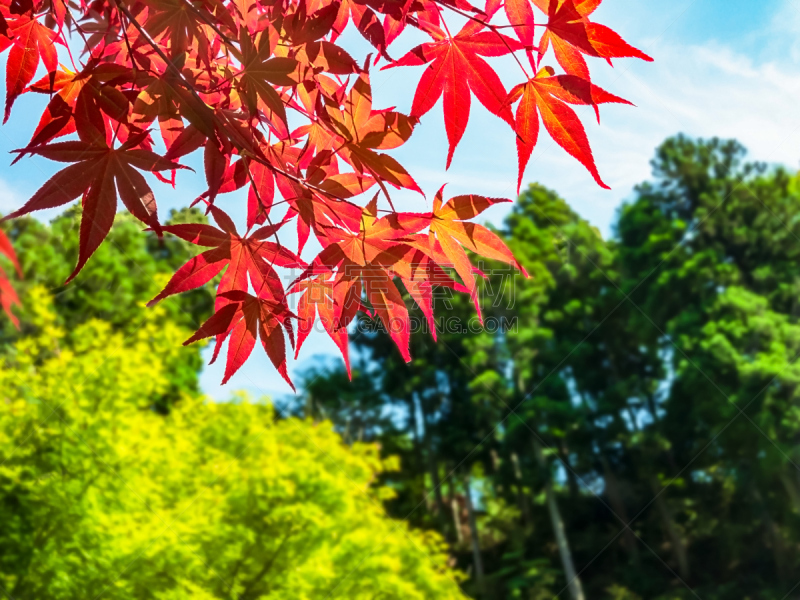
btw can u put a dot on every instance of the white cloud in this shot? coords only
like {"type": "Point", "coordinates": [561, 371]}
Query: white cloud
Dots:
{"type": "Point", "coordinates": [703, 91]}
{"type": "Point", "coordinates": [785, 27]}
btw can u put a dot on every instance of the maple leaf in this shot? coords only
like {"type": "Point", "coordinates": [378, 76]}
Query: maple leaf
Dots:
{"type": "Point", "coordinates": [364, 261]}
{"type": "Point", "coordinates": [172, 22]}
{"type": "Point", "coordinates": [451, 229]}
{"type": "Point", "coordinates": [369, 260]}
{"type": "Point", "coordinates": [363, 131]}
{"type": "Point", "coordinates": [29, 41]}
{"type": "Point", "coordinates": [244, 318]}
{"type": "Point", "coordinates": [100, 173]}
{"type": "Point", "coordinates": [456, 69]}
{"type": "Point", "coordinates": [259, 71]}
{"type": "Point", "coordinates": [90, 88]}
{"type": "Point", "coordinates": [318, 300]}
{"type": "Point", "coordinates": [253, 255]}
{"type": "Point", "coordinates": [571, 34]}
{"type": "Point", "coordinates": [545, 95]}
{"type": "Point", "coordinates": [8, 296]}
{"type": "Point", "coordinates": [57, 118]}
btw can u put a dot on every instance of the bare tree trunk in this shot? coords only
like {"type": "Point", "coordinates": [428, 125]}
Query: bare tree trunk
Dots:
{"type": "Point", "coordinates": [675, 539]}
{"type": "Point", "coordinates": [473, 534]}
{"type": "Point", "coordinates": [572, 481]}
{"type": "Point", "coordinates": [573, 580]}
{"type": "Point", "coordinates": [433, 467]}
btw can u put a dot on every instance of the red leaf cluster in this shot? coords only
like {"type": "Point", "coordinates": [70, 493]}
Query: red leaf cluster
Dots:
{"type": "Point", "coordinates": [279, 108]}
{"type": "Point", "coordinates": [8, 296]}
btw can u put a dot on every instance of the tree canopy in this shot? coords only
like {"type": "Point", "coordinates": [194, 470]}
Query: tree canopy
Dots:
{"type": "Point", "coordinates": [631, 432]}
{"type": "Point", "coordinates": [100, 494]}
{"type": "Point", "coordinates": [126, 273]}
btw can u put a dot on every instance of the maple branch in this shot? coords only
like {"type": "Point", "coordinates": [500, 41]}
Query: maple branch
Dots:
{"type": "Point", "coordinates": [228, 41]}
{"type": "Point", "coordinates": [204, 90]}
{"type": "Point", "coordinates": [128, 46]}
{"type": "Point", "coordinates": [154, 45]}
{"type": "Point", "coordinates": [295, 178]}
{"type": "Point", "coordinates": [194, 93]}
{"type": "Point", "coordinates": [258, 197]}
{"type": "Point", "coordinates": [491, 27]}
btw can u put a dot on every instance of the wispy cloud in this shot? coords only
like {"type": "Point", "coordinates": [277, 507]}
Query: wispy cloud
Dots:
{"type": "Point", "coordinates": [702, 90]}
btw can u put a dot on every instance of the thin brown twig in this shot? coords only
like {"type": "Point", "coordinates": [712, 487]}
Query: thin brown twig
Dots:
{"type": "Point", "coordinates": [228, 41]}
{"type": "Point", "coordinates": [490, 27]}
{"type": "Point", "coordinates": [242, 151]}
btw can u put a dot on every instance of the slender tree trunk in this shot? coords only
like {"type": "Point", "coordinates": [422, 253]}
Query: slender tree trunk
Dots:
{"type": "Point", "coordinates": [457, 519]}
{"type": "Point", "coordinates": [433, 467]}
{"type": "Point", "coordinates": [675, 539]}
{"type": "Point", "coordinates": [573, 580]}
{"type": "Point", "coordinates": [413, 423]}
{"type": "Point", "coordinates": [572, 481]}
{"type": "Point", "coordinates": [774, 534]}
{"type": "Point", "coordinates": [617, 504]}
{"type": "Point", "coordinates": [791, 490]}
{"type": "Point", "coordinates": [473, 534]}
{"type": "Point", "coordinates": [522, 498]}
{"type": "Point", "coordinates": [309, 408]}
{"type": "Point", "coordinates": [346, 434]}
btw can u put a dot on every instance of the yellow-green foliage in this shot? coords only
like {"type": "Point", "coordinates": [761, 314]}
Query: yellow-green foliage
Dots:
{"type": "Point", "coordinates": [102, 498]}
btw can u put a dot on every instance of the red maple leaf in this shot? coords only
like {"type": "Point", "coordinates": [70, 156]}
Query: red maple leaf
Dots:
{"type": "Point", "coordinates": [452, 231]}
{"type": "Point", "coordinates": [98, 174]}
{"type": "Point", "coordinates": [362, 131]}
{"type": "Point", "coordinates": [545, 95]}
{"type": "Point", "coordinates": [366, 261]}
{"type": "Point", "coordinates": [254, 255]}
{"type": "Point", "coordinates": [317, 299]}
{"type": "Point", "coordinates": [30, 41]}
{"type": "Point", "coordinates": [87, 91]}
{"type": "Point", "coordinates": [244, 318]}
{"type": "Point", "coordinates": [8, 296]}
{"type": "Point", "coordinates": [456, 69]}
{"type": "Point", "coordinates": [572, 34]}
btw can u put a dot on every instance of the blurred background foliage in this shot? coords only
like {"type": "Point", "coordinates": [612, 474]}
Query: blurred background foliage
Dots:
{"type": "Point", "coordinates": [634, 429]}
{"type": "Point", "coordinates": [127, 272]}
{"type": "Point", "coordinates": [626, 426]}
{"type": "Point", "coordinates": [118, 480]}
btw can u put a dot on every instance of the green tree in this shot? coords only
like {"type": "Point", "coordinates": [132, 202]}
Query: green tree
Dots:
{"type": "Point", "coordinates": [100, 495]}
{"type": "Point", "coordinates": [127, 272]}
{"type": "Point", "coordinates": [637, 430]}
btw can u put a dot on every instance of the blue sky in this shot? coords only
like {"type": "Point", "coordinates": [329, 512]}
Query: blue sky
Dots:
{"type": "Point", "coordinates": [727, 68]}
